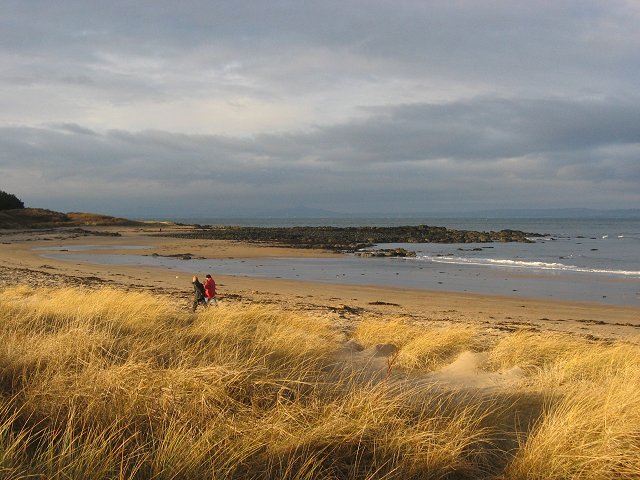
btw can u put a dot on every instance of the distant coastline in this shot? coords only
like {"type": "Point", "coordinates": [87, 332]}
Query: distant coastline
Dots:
{"type": "Point", "coordinates": [333, 238]}
{"type": "Point", "coordinates": [306, 213]}
{"type": "Point", "coordinates": [39, 218]}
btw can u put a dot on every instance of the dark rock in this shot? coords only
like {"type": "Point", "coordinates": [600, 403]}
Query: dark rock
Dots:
{"type": "Point", "coordinates": [351, 239]}
{"type": "Point", "coordinates": [378, 302]}
{"type": "Point", "coordinates": [386, 252]}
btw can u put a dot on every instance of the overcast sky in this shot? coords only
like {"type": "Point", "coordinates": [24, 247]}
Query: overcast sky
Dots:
{"type": "Point", "coordinates": [211, 107]}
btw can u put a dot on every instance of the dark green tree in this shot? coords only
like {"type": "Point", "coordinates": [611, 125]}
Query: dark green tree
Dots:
{"type": "Point", "coordinates": [8, 201]}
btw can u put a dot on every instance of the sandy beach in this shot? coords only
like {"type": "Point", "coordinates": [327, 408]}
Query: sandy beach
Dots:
{"type": "Point", "coordinates": [20, 263]}
{"type": "Point", "coordinates": [473, 386]}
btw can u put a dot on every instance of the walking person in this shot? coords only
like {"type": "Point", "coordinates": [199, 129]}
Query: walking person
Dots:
{"type": "Point", "coordinates": [198, 292]}
{"type": "Point", "coordinates": [210, 290]}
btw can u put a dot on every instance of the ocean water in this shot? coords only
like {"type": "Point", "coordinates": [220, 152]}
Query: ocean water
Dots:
{"type": "Point", "coordinates": [592, 245]}
{"type": "Point", "coordinates": [595, 260]}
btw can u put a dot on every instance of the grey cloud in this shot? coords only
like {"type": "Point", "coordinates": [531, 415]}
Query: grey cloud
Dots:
{"type": "Point", "coordinates": [517, 44]}
{"type": "Point", "coordinates": [399, 156]}
{"type": "Point", "coordinates": [489, 129]}
{"type": "Point", "coordinates": [73, 128]}
{"type": "Point", "coordinates": [395, 104]}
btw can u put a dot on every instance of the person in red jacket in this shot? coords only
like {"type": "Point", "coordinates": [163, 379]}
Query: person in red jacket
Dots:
{"type": "Point", "coordinates": [210, 290]}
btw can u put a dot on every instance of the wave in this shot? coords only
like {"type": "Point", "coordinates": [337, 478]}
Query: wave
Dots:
{"type": "Point", "coordinates": [526, 265]}
{"type": "Point", "coordinates": [541, 239]}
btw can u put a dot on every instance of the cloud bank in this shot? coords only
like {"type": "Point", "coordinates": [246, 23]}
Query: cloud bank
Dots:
{"type": "Point", "coordinates": [158, 108]}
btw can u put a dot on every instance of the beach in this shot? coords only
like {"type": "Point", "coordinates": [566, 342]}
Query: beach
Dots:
{"type": "Point", "coordinates": [21, 261]}
{"type": "Point", "coordinates": [298, 379]}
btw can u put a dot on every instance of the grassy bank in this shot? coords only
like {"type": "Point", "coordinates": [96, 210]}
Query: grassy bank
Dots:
{"type": "Point", "coordinates": [122, 385]}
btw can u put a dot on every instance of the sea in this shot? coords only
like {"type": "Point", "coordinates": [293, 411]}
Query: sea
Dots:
{"type": "Point", "coordinates": [582, 259]}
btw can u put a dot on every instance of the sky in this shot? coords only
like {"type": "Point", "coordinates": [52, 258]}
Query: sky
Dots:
{"type": "Point", "coordinates": [220, 108]}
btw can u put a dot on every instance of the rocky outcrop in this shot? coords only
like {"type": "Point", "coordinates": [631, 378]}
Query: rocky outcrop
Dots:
{"type": "Point", "coordinates": [181, 256]}
{"type": "Point", "coordinates": [350, 239]}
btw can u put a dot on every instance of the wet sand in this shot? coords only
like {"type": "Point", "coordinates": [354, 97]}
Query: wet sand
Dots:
{"type": "Point", "coordinates": [19, 263]}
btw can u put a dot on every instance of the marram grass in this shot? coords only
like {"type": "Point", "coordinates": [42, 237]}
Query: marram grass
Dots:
{"type": "Point", "coordinates": [419, 348]}
{"type": "Point", "coordinates": [108, 384]}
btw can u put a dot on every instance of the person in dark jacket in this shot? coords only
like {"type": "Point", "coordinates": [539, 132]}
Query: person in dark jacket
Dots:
{"type": "Point", "coordinates": [198, 292]}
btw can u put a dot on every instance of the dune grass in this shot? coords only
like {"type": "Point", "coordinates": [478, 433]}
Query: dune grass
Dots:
{"type": "Point", "coordinates": [109, 384]}
{"type": "Point", "coordinates": [592, 431]}
{"type": "Point", "coordinates": [590, 426]}
{"type": "Point", "coordinates": [419, 348]}
{"type": "Point", "coordinates": [114, 384]}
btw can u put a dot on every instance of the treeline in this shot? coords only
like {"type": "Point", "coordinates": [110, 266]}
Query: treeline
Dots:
{"type": "Point", "coordinates": [8, 201]}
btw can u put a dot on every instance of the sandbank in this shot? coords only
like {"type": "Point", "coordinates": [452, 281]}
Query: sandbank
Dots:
{"type": "Point", "coordinates": [20, 263]}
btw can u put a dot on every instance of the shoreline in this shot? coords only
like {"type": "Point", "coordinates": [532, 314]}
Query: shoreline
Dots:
{"type": "Point", "coordinates": [348, 302]}
{"type": "Point", "coordinates": [386, 273]}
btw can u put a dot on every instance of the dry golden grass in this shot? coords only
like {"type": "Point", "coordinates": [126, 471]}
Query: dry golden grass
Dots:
{"type": "Point", "coordinates": [94, 219]}
{"type": "Point", "coordinates": [593, 431]}
{"type": "Point", "coordinates": [419, 348]}
{"type": "Point", "coordinates": [113, 384]}
{"type": "Point", "coordinates": [556, 359]}
{"type": "Point", "coordinates": [108, 384]}
{"type": "Point", "coordinates": [590, 426]}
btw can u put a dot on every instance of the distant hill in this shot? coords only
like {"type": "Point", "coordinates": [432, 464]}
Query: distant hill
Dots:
{"type": "Point", "coordinates": [560, 213]}
{"type": "Point", "coordinates": [310, 212]}
{"type": "Point", "coordinates": [42, 218]}
{"type": "Point", "coordinates": [97, 220]}
{"type": "Point", "coordinates": [299, 211]}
